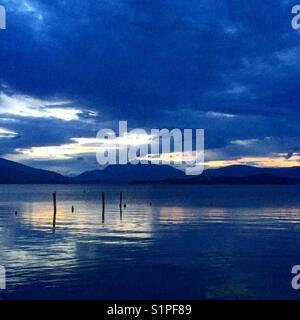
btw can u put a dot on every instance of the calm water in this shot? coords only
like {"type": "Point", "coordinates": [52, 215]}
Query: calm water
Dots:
{"type": "Point", "coordinates": [194, 242]}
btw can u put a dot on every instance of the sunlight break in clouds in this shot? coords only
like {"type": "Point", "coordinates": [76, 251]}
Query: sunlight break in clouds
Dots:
{"type": "Point", "coordinates": [277, 161]}
{"type": "Point", "coordinates": [6, 133]}
{"type": "Point", "coordinates": [26, 106]}
{"type": "Point", "coordinates": [78, 147]}
{"type": "Point", "coordinates": [175, 157]}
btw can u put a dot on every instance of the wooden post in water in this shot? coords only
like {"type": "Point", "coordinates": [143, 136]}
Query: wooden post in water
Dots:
{"type": "Point", "coordinates": [103, 206]}
{"type": "Point", "coordinates": [54, 210]}
{"type": "Point", "coordinates": [120, 205]}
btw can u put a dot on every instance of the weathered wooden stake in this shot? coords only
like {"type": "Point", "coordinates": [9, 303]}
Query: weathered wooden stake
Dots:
{"type": "Point", "coordinates": [54, 210]}
{"type": "Point", "coordinates": [120, 205]}
{"type": "Point", "coordinates": [121, 199]}
{"type": "Point", "coordinates": [103, 206]}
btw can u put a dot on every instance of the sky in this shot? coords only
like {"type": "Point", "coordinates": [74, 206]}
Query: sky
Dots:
{"type": "Point", "coordinates": [71, 68]}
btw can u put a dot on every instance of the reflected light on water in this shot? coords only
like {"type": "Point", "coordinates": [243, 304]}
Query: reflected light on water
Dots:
{"type": "Point", "coordinates": [178, 244]}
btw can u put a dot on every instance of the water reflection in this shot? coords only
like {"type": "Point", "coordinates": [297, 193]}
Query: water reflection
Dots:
{"type": "Point", "coordinates": [188, 246]}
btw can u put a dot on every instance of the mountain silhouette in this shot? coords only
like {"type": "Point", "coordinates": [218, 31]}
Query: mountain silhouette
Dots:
{"type": "Point", "coordinates": [128, 173]}
{"type": "Point", "coordinates": [246, 171]}
{"type": "Point", "coordinates": [15, 173]}
{"type": "Point", "coordinates": [254, 179]}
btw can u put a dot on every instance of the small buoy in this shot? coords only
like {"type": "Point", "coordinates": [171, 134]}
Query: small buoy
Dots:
{"type": "Point", "coordinates": [125, 205]}
{"type": "Point", "coordinates": [72, 209]}
{"type": "Point", "coordinates": [150, 204]}
{"type": "Point", "coordinates": [16, 213]}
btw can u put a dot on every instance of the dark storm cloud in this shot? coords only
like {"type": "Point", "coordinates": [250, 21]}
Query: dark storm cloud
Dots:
{"type": "Point", "coordinates": [139, 55]}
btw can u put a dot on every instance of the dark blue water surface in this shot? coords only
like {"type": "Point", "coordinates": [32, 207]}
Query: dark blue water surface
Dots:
{"type": "Point", "coordinates": [194, 242]}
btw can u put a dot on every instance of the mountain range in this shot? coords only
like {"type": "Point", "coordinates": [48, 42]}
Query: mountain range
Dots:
{"type": "Point", "coordinates": [13, 172]}
{"type": "Point", "coordinates": [16, 173]}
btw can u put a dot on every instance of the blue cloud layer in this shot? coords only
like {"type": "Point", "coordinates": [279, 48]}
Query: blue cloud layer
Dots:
{"type": "Point", "coordinates": [156, 63]}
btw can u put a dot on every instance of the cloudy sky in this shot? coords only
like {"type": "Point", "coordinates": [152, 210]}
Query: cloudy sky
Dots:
{"type": "Point", "coordinates": [69, 68]}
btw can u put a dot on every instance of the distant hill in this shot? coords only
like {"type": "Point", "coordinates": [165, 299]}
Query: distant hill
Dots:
{"type": "Point", "coordinates": [16, 173]}
{"type": "Point", "coordinates": [255, 179]}
{"type": "Point", "coordinates": [246, 171]}
{"type": "Point", "coordinates": [128, 173]}
{"type": "Point", "coordinates": [13, 172]}
{"type": "Point", "coordinates": [136, 173]}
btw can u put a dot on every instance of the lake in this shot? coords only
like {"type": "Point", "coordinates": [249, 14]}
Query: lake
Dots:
{"type": "Point", "coordinates": [194, 242]}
